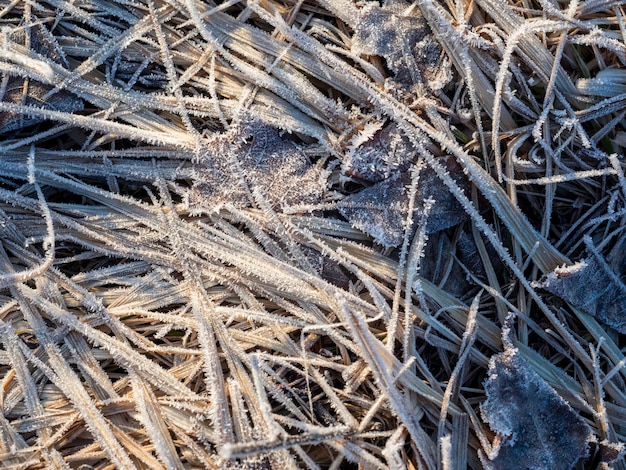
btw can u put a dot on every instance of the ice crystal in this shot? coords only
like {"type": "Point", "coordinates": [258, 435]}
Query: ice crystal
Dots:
{"type": "Point", "coordinates": [252, 156]}
{"type": "Point", "coordinates": [539, 429]}
{"type": "Point", "coordinates": [399, 33]}
{"type": "Point", "coordinates": [382, 209]}
{"type": "Point", "coordinates": [32, 92]}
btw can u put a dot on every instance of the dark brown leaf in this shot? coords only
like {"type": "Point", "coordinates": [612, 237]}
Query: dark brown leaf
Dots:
{"type": "Point", "coordinates": [539, 429]}
{"type": "Point", "coordinates": [253, 156]}
{"type": "Point", "coordinates": [398, 32]}
{"type": "Point", "coordinates": [591, 287]}
{"type": "Point", "coordinates": [381, 210]}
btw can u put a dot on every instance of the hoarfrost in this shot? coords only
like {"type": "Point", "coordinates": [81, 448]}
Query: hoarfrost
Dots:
{"type": "Point", "coordinates": [398, 32]}
{"type": "Point", "coordinates": [538, 428]}
{"type": "Point", "coordinates": [381, 210]}
{"type": "Point", "coordinates": [607, 83]}
{"type": "Point", "coordinates": [31, 92]}
{"type": "Point", "coordinates": [593, 286]}
{"type": "Point", "coordinates": [252, 156]}
{"type": "Point", "coordinates": [378, 153]}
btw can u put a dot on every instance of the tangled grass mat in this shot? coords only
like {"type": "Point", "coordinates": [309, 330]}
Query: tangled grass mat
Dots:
{"type": "Point", "coordinates": [276, 234]}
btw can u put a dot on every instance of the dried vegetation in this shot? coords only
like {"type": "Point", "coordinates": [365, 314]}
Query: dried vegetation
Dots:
{"type": "Point", "coordinates": [312, 234]}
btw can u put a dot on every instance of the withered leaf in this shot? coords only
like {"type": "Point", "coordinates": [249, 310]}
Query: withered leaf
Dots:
{"type": "Point", "coordinates": [609, 452]}
{"type": "Point", "coordinates": [589, 286]}
{"type": "Point", "coordinates": [378, 153]}
{"type": "Point", "coordinates": [328, 269]}
{"type": "Point", "coordinates": [440, 251]}
{"type": "Point", "coordinates": [252, 156]}
{"type": "Point", "coordinates": [539, 429]}
{"type": "Point", "coordinates": [381, 210]}
{"type": "Point", "coordinates": [398, 32]}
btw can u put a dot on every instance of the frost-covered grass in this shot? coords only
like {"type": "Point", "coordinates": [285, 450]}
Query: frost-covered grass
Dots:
{"type": "Point", "coordinates": [267, 234]}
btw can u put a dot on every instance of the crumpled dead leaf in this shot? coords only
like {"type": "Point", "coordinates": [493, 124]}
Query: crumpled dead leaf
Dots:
{"type": "Point", "coordinates": [381, 210]}
{"type": "Point", "coordinates": [589, 286]}
{"type": "Point", "coordinates": [378, 152]}
{"type": "Point", "coordinates": [252, 156]}
{"type": "Point", "coordinates": [539, 429]}
{"type": "Point", "coordinates": [442, 249]}
{"type": "Point", "coordinates": [398, 32]}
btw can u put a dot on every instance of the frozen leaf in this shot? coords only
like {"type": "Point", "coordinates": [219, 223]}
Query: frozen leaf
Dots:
{"type": "Point", "coordinates": [616, 258]}
{"type": "Point", "coordinates": [539, 429]}
{"type": "Point", "coordinates": [433, 265]}
{"type": "Point", "coordinates": [252, 156]}
{"type": "Point", "coordinates": [381, 210]}
{"type": "Point", "coordinates": [589, 286]}
{"type": "Point", "coordinates": [33, 93]}
{"type": "Point", "coordinates": [378, 152]}
{"type": "Point", "coordinates": [398, 32]}
{"type": "Point", "coordinates": [41, 42]}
